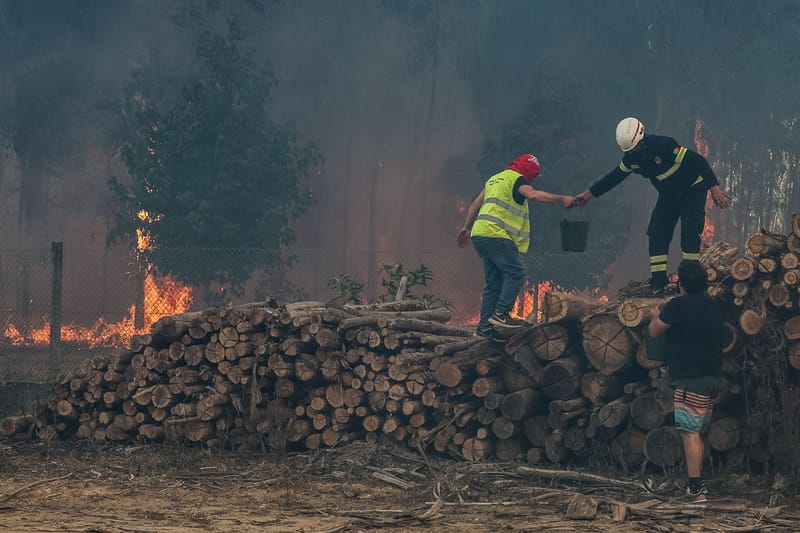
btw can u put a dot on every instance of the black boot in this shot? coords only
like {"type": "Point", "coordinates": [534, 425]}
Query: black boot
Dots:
{"type": "Point", "coordinates": [658, 281]}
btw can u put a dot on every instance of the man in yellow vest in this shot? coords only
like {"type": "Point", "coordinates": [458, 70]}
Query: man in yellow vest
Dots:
{"type": "Point", "coordinates": [499, 226]}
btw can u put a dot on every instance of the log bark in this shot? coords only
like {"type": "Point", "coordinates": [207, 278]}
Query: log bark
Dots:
{"type": "Point", "coordinates": [599, 388]}
{"type": "Point", "coordinates": [522, 404]}
{"type": "Point", "coordinates": [559, 306]}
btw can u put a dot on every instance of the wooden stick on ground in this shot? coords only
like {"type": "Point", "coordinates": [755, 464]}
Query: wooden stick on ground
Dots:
{"type": "Point", "coordinates": [31, 485]}
{"type": "Point", "coordinates": [571, 475]}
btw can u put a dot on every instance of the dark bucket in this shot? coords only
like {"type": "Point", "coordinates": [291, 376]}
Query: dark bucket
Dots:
{"type": "Point", "coordinates": [574, 234]}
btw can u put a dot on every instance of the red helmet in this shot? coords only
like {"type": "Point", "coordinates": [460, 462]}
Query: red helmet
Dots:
{"type": "Point", "coordinates": [527, 165]}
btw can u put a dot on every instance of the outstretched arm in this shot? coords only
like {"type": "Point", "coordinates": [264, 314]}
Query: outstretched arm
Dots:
{"type": "Point", "coordinates": [603, 185]}
{"type": "Point", "coordinates": [463, 235]}
{"type": "Point", "coordinates": [547, 197]}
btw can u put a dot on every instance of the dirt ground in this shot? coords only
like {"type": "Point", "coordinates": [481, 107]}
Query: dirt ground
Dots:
{"type": "Point", "coordinates": [79, 487]}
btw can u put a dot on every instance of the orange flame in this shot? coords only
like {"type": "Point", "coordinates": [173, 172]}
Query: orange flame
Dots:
{"type": "Point", "coordinates": [163, 296]}
{"type": "Point", "coordinates": [703, 149]}
{"type": "Point", "coordinates": [532, 296]}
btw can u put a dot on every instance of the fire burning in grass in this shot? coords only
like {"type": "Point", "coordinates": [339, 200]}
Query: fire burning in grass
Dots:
{"type": "Point", "coordinates": [162, 296]}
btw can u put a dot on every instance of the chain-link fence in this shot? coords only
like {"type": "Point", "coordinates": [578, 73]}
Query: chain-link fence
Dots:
{"type": "Point", "coordinates": [99, 298]}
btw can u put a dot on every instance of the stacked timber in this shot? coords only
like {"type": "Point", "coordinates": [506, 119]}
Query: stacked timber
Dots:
{"type": "Point", "coordinates": [625, 403]}
{"type": "Point", "coordinates": [303, 375]}
{"type": "Point", "coordinates": [308, 375]}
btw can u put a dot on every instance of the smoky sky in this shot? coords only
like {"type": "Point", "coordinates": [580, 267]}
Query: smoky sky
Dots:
{"type": "Point", "coordinates": [400, 99]}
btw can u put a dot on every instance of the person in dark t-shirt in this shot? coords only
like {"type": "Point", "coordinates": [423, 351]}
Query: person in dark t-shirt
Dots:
{"type": "Point", "coordinates": [692, 323]}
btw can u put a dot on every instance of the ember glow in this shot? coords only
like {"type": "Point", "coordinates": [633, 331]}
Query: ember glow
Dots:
{"type": "Point", "coordinates": [703, 149]}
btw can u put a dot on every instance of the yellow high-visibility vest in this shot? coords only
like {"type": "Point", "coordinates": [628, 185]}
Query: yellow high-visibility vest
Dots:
{"type": "Point", "coordinates": [500, 216]}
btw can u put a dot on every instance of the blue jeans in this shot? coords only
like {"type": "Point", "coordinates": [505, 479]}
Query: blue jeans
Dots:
{"type": "Point", "coordinates": [505, 272]}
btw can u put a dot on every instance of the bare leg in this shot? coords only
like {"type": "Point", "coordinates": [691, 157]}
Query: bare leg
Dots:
{"type": "Point", "coordinates": [693, 448]}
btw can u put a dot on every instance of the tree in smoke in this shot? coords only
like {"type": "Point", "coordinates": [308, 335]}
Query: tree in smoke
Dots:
{"type": "Point", "coordinates": [209, 167]}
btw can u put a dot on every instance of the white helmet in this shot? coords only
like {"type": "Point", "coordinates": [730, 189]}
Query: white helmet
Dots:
{"type": "Point", "coordinates": [629, 132]}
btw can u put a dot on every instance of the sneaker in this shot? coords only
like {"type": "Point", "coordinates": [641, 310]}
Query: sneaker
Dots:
{"type": "Point", "coordinates": [490, 333]}
{"type": "Point", "coordinates": [484, 331]}
{"type": "Point", "coordinates": [504, 320]}
{"type": "Point", "coordinates": [698, 493]}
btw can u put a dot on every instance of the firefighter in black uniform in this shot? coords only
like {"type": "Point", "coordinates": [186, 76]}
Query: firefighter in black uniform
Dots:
{"type": "Point", "coordinates": [681, 178]}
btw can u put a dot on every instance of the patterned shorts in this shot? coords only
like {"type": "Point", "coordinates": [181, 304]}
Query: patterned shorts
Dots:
{"type": "Point", "coordinates": [694, 403]}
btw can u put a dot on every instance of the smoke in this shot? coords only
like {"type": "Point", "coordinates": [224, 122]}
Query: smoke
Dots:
{"type": "Point", "coordinates": [400, 102]}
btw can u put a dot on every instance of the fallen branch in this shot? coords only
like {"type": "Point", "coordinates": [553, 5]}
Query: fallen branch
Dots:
{"type": "Point", "coordinates": [570, 475]}
{"type": "Point", "coordinates": [31, 485]}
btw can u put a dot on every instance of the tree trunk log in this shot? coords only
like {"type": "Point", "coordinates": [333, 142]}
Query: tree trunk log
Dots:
{"type": "Point", "coordinates": [628, 448]}
{"type": "Point", "coordinates": [724, 434]}
{"type": "Point", "coordinates": [791, 328]}
{"type": "Point", "coordinates": [536, 430]}
{"type": "Point", "coordinates": [743, 269]}
{"type": "Point", "coordinates": [562, 306]}
{"type": "Point", "coordinates": [599, 388]}
{"type": "Point", "coordinates": [561, 378]}
{"type": "Point", "coordinates": [614, 413]}
{"type": "Point", "coordinates": [764, 243]}
{"type": "Point", "coordinates": [608, 344]}
{"type": "Point", "coordinates": [522, 404]}
{"type": "Point", "coordinates": [663, 446]}
{"type": "Point", "coordinates": [548, 341]}
{"type": "Point", "coordinates": [646, 413]}
{"type": "Point", "coordinates": [633, 311]}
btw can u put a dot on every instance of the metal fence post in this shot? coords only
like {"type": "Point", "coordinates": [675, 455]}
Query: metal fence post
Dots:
{"type": "Point", "coordinates": [57, 249]}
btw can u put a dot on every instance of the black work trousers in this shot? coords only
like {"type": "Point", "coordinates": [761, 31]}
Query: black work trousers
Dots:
{"type": "Point", "coordinates": [690, 208]}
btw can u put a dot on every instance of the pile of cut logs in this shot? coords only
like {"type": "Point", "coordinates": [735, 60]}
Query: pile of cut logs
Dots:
{"type": "Point", "coordinates": [309, 374]}
{"type": "Point", "coordinates": [305, 374]}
